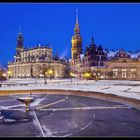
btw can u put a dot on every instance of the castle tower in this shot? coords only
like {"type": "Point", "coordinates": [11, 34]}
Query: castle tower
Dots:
{"type": "Point", "coordinates": [76, 40]}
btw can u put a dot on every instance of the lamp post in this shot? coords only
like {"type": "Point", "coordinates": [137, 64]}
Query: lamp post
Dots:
{"type": "Point", "coordinates": [50, 72]}
{"type": "Point", "coordinates": [9, 74]}
{"type": "Point", "coordinates": [2, 77]}
{"type": "Point", "coordinates": [96, 76]}
{"type": "Point", "coordinates": [71, 75]}
{"type": "Point", "coordinates": [82, 76]}
{"type": "Point", "coordinates": [87, 75]}
{"type": "Point", "coordinates": [45, 80]}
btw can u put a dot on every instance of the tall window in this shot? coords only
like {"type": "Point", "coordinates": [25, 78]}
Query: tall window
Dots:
{"type": "Point", "coordinates": [133, 73]}
{"type": "Point", "coordinates": [123, 74]}
{"type": "Point", "coordinates": [115, 73]}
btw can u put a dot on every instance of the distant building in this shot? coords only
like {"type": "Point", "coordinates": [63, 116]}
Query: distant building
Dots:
{"type": "Point", "coordinates": [32, 62]}
{"type": "Point", "coordinates": [94, 56]}
{"type": "Point", "coordinates": [123, 67]}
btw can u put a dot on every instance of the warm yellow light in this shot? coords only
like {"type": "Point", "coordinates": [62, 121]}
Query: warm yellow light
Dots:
{"type": "Point", "coordinates": [72, 74]}
{"type": "Point", "coordinates": [50, 72]}
{"type": "Point", "coordinates": [102, 77]}
{"type": "Point", "coordinates": [9, 72]}
{"type": "Point", "coordinates": [87, 74]}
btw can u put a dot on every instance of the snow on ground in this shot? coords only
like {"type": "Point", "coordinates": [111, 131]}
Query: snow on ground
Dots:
{"type": "Point", "coordinates": [124, 88]}
{"type": "Point", "coordinates": [38, 101]}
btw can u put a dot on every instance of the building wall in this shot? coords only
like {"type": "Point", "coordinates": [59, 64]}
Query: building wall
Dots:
{"type": "Point", "coordinates": [35, 55]}
{"type": "Point", "coordinates": [19, 70]}
{"type": "Point", "coordinates": [129, 70]}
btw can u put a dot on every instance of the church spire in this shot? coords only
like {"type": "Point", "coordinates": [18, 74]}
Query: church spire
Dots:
{"type": "Point", "coordinates": [77, 17]}
{"type": "Point", "coordinates": [77, 29]}
{"type": "Point", "coordinates": [76, 40]}
{"type": "Point", "coordinates": [92, 39]}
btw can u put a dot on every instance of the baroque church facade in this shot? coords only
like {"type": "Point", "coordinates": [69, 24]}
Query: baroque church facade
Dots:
{"type": "Point", "coordinates": [33, 62]}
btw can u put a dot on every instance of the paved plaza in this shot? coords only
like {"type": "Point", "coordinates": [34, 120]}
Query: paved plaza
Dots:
{"type": "Point", "coordinates": [66, 116]}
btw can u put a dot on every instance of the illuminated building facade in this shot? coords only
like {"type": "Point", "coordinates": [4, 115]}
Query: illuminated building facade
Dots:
{"type": "Point", "coordinates": [123, 67]}
{"type": "Point", "coordinates": [32, 62]}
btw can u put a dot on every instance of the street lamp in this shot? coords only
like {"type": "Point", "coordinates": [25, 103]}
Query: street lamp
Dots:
{"type": "Point", "coordinates": [9, 74]}
{"type": "Point", "coordinates": [71, 75]}
{"type": "Point", "coordinates": [96, 75]}
{"type": "Point", "coordinates": [87, 75]}
{"type": "Point", "coordinates": [82, 75]}
{"type": "Point", "coordinates": [50, 72]}
{"type": "Point", "coordinates": [2, 77]}
{"type": "Point", "coordinates": [45, 80]}
{"type": "Point", "coordinates": [102, 77]}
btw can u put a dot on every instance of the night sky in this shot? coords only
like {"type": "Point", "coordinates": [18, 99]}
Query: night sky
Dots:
{"type": "Point", "coordinates": [114, 26]}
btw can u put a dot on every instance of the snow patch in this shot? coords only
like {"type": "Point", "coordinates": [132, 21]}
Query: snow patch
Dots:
{"type": "Point", "coordinates": [48, 132]}
{"type": "Point", "coordinates": [38, 101]}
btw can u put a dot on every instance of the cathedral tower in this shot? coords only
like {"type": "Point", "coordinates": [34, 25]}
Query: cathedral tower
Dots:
{"type": "Point", "coordinates": [76, 40]}
{"type": "Point", "coordinates": [19, 45]}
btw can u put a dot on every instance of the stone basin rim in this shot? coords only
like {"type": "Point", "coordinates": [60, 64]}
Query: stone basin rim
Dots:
{"type": "Point", "coordinates": [92, 94]}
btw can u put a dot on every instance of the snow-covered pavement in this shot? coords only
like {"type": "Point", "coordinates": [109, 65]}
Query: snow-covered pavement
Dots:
{"type": "Point", "coordinates": [130, 89]}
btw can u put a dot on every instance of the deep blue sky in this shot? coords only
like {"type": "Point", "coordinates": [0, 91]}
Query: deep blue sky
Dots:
{"type": "Point", "coordinates": [114, 26]}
